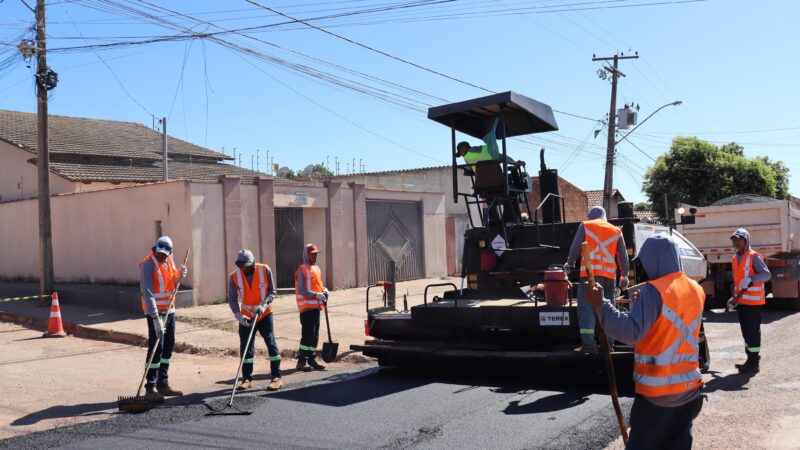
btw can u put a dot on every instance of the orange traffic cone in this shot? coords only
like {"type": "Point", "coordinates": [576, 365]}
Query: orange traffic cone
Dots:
{"type": "Point", "coordinates": [55, 328]}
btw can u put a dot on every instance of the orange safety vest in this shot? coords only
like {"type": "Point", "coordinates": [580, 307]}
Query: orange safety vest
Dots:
{"type": "Point", "coordinates": [164, 277]}
{"type": "Point", "coordinates": [755, 294]}
{"type": "Point", "coordinates": [250, 296]}
{"type": "Point", "coordinates": [666, 360]}
{"type": "Point", "coordinates": [313, 278]}
{"type": "Point", "coordinates": [602, 238]}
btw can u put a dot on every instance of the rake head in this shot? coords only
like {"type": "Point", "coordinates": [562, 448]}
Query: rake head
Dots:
{"type": "Point", "coordinates": [136, 404]}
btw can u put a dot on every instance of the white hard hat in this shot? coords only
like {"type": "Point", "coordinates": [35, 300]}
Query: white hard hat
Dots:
{"type": "Point", "coordinates": [163, 245]}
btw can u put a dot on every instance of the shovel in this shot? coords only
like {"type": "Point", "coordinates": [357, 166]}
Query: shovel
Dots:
{"type": "Point", "coordinates": [330, 348]}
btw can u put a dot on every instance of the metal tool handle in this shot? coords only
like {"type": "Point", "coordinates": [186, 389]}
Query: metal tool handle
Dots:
{"type": "Point", "coordinates": [241, 360]}
{"type": "Point", "coordinates": [609, 364]}
{"type": "Point", "coordinates": [328, 323]}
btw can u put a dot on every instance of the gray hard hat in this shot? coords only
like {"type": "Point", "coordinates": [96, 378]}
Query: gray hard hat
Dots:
{"type": "Point", "coordinates": [163, 245]}
{"type": "Point", "coordinates": [245, 258]}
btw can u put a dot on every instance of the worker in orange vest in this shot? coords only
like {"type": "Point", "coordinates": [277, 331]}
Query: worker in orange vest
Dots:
{"type": "Point", "coordinates": [158, 278]}
{"type": "Point", "coordinates": [663, 325]}
{"type": "Point", "coordinates": [251, 290]}
{"type": "Point", "coordinates": [608, 252]}
{"type": "Point", "coordinates": [750, 272]}
{"type": "Point", "coordinates": [312, 296]}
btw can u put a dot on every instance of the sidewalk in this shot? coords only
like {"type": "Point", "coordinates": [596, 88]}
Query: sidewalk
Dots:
{"type": "Point", "coordinates": [212, 329]}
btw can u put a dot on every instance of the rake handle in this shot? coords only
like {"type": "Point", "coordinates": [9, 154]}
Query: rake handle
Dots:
{"type": "Point", "coordinates": [612, 380]}
{"type": "Point", "coordinates": [158, 338]}
{"type": "Point", "coordinates": [241, 360]}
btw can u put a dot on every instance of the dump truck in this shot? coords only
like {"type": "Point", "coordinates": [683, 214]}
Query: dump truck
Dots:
{"type": "Point", "coordinates": [514, 301]}
{"type": "Point", "coordinates": [774, 227]}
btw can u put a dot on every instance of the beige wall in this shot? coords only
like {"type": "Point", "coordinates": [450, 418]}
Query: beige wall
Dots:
{"type": "Point", "coordinates": [208, 251]}
{"type": "Point", "coordinates": [250, 232]}
{"type": "Point", "coordinates": [286, 196]}
{"type": "Point", "coordinates": [16, 172]}
{"type": "Point", "coordinates": [314, 231]}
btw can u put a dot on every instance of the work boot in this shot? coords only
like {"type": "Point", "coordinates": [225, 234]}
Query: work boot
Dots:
{"type": "Point", "coordinates": [751, 365]}
{"type": "Point", "coordinates": [167, 391]}
{"type": "Point", "coordinates": [275, 384]}
{"type": "Point", "coordinates": [153, 396]}
{"type": "Point", "coordinates": [315, 365]}
{"type": "Point", "coordinates": [302, 366]}
{"type": "Point", "coordinates": [244, 385]}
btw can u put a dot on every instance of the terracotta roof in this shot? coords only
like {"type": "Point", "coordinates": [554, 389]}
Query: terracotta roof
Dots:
{"type": "Point", "coordinates": [147, 171]}
{"type": "Point", "coordinates": [93, 137]}
{"type": "Point", "coordinates": [389, 172]}
{"type": "Point", "coordinates": [596, 197]}
{"type": "Point", "coordinates": [645, 214]}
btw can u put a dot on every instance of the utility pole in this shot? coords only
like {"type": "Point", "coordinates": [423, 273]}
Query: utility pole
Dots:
{"type": "Point", "coordinates": [608, 185]}
{"type": "Point", "coordinates": [258, 151]}
{"type": "Point", "coordinates": [252, 162]}
{"type": "Point", "coordinates": [234, 156]}
{"type": "Point", "coordinates": [45, 80]}
{"type": "Point", "coordinates": [164, 149]}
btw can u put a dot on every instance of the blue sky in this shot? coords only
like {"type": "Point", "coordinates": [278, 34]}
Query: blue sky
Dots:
{"type": "Point", "coordinates": [733, 64]}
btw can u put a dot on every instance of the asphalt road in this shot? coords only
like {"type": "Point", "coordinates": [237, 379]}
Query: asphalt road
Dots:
{"type": "Point", "coordinates": [563, 407]}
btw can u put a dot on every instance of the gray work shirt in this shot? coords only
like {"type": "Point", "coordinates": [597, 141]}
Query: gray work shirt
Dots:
{"type": "Point", "coordinates": [233, 291]}
{"type": "Point", "coordinates": [146, 286]}
{"type": "Point", "coordinates": [621, 256]}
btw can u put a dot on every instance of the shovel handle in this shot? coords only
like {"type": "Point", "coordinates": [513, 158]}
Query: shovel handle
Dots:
{"type": "Point", "coordinates": [587, 262]}
{"type": "Point", "coordinates": [328, 323]}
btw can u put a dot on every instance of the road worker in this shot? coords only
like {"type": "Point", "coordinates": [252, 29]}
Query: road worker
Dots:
{"type": "Point", "coordinates": [159, 277]}
{"type": "Point", "coordinates": [312, 296]}
{"type": "Point", "coordinates": [608, 252]}
{"type": "Point", "coordinates": [251, 290]}
{"type": "Point", "coordinates": [750, 272]}
{"type": "Point", "coordinates": [663, 325]}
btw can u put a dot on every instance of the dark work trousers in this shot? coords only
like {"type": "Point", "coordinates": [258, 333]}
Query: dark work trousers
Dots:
{"type": "Point", "coordinates": [655, 427]}
{"type": "Point", "coordinates": [265, 328]}
{"type": "Point", "coordinates": [309, 319]}
{"type": "Point", "coordinates": [750, 323]}
{"type": "Point", "coordinates": [158, 371]}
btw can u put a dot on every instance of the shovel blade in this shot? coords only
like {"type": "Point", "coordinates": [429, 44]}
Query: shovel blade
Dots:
{"type": "Point", "coordinates": [329, 351]}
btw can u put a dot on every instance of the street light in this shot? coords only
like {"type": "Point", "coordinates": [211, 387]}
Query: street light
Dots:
{"type": "Point", "coordinates": [675, 103]}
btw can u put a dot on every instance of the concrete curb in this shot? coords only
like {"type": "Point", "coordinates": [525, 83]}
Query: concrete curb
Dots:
{"type": "Point", "coordinates": [136, 340]}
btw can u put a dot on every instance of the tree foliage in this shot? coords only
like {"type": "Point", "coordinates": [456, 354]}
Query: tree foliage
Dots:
{"type": "Point", "coordinates": [642, 206]}
{"type": "Point", "coordinates": [700, 173]}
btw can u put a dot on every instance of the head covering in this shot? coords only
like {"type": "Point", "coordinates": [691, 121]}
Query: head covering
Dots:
{"type": "Point", "coordinates": [307, 250]}
{"type": "Point", "coordinates": [659, 256]}
{"type": "Point", "coordinates": [245, 258]}
{"type": "Point", "coordinates": [744, 234]}
{"type": "Point", "coordinates": [598, 212]}
{"type": "Point", "coordinates": [163, 245]}
{"type": "Point", "coordinates": [462, 144]}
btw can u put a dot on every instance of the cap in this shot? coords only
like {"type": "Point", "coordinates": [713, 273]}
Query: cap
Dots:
{"type": "Point", "coordinates": [245, 258]}
{"type": "Point", "coordinates": [163, 245]}
{"type": "Point", "coordinates": [312, 249]}
{"type": "Point", "coordinates": [740, 233]}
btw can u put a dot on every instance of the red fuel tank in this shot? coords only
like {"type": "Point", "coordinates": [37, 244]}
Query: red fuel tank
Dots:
{"type": "Point", "coordinates": [556, 287]}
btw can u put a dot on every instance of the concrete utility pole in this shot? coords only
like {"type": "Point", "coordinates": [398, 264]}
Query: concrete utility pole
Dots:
{"type": "Point", "coordinates": [43, 85]}
{"type": "Point", "coordinates": [608, 185]}
{"type": "Point", "coordinates": [164, 149]}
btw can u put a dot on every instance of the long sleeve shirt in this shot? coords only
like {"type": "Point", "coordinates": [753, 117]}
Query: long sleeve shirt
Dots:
{"type": "Point", "coordinates": [621, 256]}
{"type": "Point", "coordinates": [233, 291]}
{"type": "Point", "coordinates": [146, 287]}
{"type": "Point", "coordinates": [302, 285]}
{"type": "Point", "coordinates": [762, 273]}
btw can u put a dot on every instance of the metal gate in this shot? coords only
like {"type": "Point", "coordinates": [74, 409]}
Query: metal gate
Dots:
{"type": "Point", "coordinates": [288, 244]}
{"type": "Point", "coordinates": [394, 229]}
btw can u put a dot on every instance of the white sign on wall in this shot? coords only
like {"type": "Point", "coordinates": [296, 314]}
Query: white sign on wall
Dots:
{"type": "Point", "coordinates": [301, 198]}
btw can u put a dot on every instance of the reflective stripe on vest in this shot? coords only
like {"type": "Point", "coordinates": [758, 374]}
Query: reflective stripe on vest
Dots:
{"type": "Point", "coordinates": [313, 279]}
{"type": "Point", "coordinates": [602, 238]}
{"type": "Point", "coordinates": [667, 359]}
{"type": "Point", "coordinates": [473, 158]}
{"type": "Point", "coordinates": [248, 300]}
{"type": "Point", "coordinates": [162, 287]}
{"type": "Point", "coordinates": [755, 294]}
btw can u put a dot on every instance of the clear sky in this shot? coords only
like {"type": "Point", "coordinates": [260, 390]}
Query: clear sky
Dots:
{"type": "Point", "coordinates": [733, 63]}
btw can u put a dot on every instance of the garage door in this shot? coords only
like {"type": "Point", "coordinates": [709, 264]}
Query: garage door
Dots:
{"type": "Point", "coordinates": [395, 235]}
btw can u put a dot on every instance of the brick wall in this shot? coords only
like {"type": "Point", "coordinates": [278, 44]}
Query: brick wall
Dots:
{"type": "Point", "coordinates": [576, 202]}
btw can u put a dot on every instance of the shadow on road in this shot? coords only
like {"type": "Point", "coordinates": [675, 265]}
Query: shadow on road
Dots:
{"type": "Point", "coordinates": [729, 383]}
{"type": "Point", "coordinates": [555, 402]}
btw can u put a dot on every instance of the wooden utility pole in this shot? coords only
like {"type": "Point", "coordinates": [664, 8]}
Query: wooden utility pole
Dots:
{"type": "Point", "coordinates": [608, 185]}
{"type": "Point", "coordinates": [43, 84]}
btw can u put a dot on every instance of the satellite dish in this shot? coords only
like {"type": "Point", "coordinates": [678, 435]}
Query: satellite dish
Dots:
{"type": "Point", "coordinates": [283, 171]}
{"type": "Point", "coordinates": [308, 171]}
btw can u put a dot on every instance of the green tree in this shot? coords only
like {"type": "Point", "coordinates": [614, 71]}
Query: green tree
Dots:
{"type": "Point", "coordinates": [642, 206]}
{"type": "Point", "coordinates": [700, 173]}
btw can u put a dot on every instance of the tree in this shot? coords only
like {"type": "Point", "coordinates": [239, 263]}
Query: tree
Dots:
{"type": "Point", "coordinates": [642, 206]}
{"type": "Point", "coordinates": [700, 173]}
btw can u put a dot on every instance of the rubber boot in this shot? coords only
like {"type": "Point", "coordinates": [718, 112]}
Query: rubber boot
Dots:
{"type": "Point", "coordinates": [751, 366]}
{"type": "Point", "coordinates": [167, 391]}
{"type": "Point", "coordinates": [153, 396]}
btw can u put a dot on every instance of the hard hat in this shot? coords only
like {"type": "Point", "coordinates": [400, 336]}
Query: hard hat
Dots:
{"type": "Point", "coordinates": [163, 245]}
{"type": "Point", "coordinates": [245, 258]}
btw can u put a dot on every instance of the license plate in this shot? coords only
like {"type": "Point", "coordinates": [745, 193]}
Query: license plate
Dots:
{"type": "Point", "coordinates": [554, 319]}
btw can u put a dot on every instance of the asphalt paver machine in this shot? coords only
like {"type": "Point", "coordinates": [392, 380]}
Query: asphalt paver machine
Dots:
{"type": "Point", "coordinates": [514, 301]}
